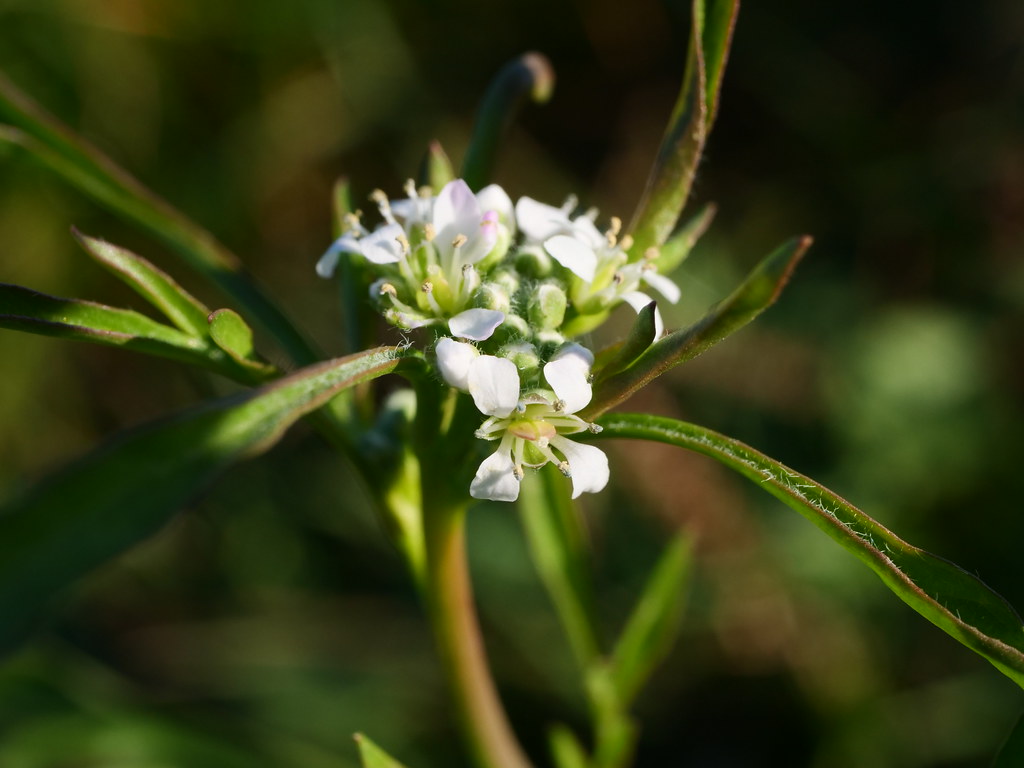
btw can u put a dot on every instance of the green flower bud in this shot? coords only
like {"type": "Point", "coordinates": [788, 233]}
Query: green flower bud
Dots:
{"type": "Point", "coordinates": [525, 356]}
{"type": "Point", "coordinates": [546, 309]}
{"type": "Point", "coordinates": [533, 262]}
{"type": "Point", "coordinates": [494, 296]}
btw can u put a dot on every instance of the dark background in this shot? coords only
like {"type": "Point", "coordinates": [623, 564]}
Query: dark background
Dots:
{"type": "Point", "coordinates": [271, 620]}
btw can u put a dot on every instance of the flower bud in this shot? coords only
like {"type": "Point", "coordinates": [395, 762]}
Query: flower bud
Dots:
{"type": "Point", "coordinates": [494, 296]}
{"type": "Point", "coordinates": [533, 262]}
{"type": "Point", "coordinates": [546, 309]}
{"type": "Point", "coordinates": [525, 356]}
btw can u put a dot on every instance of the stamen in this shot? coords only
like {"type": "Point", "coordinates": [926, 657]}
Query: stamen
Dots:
{"type": "Point", "coordinates": [618, 278]}
{"type": "Point", "coordinates": [595, 428]}
{"type": "Point", "coordinates": [429, 233]}
{"type": "Point", "coordinates": [563, 467]}
{"type": "Point", "coordinates": [651, 253]}
{"type": "Point", "coordinates": [410, 189]}
{"type": "Point", "coordinates": [404, 242]}
{"type": "Point", "coordinates": [570, 204]}
{"type": "Point", "coordinates": [459, 241]}
{"type": "Point", "coordinates": [381, 200]}
{"type": "Point", "coordinates": [558, 405]}
{"type": "Point", "coordinates": [626, 243]}
{"type": "Point", "coordinates": [427, 286]}
{"type": "Point", "coordinates": [517, 471]}
{"type": "Point", "coordinates": [388, 289]}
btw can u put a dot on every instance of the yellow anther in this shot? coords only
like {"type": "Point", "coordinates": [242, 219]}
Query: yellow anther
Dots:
{"type": "Point", "coordinates": [652, 253]}
{"type": "Point", "coordinates": [387, 289]}
{"type": "Point", "coordinates": [427, 286]}
{"type": "Point", "coordinates": [626, 242]}
{"type": "Point", "coordinates": [459, 241]}
{"type": "Point", "coordinates": [403, 241]}
{"type": "Point", "coordinates": [429, 233]}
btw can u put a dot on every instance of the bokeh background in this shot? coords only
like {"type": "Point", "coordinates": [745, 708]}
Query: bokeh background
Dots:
{"type": "Point", "coordinates": [271, 619]}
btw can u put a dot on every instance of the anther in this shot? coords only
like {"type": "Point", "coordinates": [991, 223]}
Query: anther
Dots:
{"type": "Point", "coordinates": [570, 204]}
{"type": "Point", "coordinates": [617, 278]}
{"type": "Point", "coordinates": [410, 188]}
{"type": "Point", "coordinates": [626, 243]}
{"type": "Point", "coordinates": [595, 428]}
{"type": "Point", "coordinates": [387, 289]}
{"type": "Point", "coordinates": [429, 233]}
{"type": "Point", "coordinates": [563, 467]}
{"type": "Point", "coordinates": [558, 405]}
{"type": "Point", "coordinates": [459, 241]}
{"type": "Point", "coordinates": [404, 242]}
{"type": "Point", "coordinates": [517, 471]}
{"type": "Point", "coordinates": [379, 197]}
{"type": "Point", "coordinates": [427, 286]}
{"type": "Point", "coordinates": [651, 253]}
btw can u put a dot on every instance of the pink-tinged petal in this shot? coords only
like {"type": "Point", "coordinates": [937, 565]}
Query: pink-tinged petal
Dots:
{"type": "Point", "coordinates": [382, 245]}
{"type": "Point", "coordinates": [494, 385]}
{"type": "Point", "coordinates": [568, 378]}
{"type": "Point", "coordinates": [539, 221]}
{"type": "Point", "coordinates": [456, 212]}
{"type": "Point", "coordinates": [638, 300]}
{"type": "Point", "coordinates": [494, 198]}
{"type": "Point", "coordinates": [482, 241]}
{"type": "Point", "coordinates": [476, 324]}
{"type": "Point", "coordinates": [588, 465]}
{"type": "Point", "coordinates": [662, 285]}
{"type": "Point", "coordinates": [454, 359]}
{"type": "Point", "coordinates": [495, 479]}
{"type": "Point", "coordinates": [574, 255]}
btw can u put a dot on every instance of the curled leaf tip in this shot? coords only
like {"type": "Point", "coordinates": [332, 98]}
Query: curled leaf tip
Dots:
{"type": "Point", "coordinates": [543, 74]}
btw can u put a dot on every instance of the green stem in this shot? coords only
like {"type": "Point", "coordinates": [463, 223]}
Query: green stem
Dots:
{"type": "Point", "coordinates": [450, 602]}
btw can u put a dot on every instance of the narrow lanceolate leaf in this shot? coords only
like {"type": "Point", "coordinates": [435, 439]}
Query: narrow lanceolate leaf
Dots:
{"type": "Point", "coordinates": [155, 285]}
{"type": "Point", "coordinates": [128, 489]}
{"type": "Point", "coordinates": [758, 292]}
{"type": "Point", "coordinates": [640, 338]}
{"type": "Point", "coordinates": [22, 309]}
{"type": "Point", "coordinates": [677, 248]}
{"type": "Point", "coordinates": [671, 178]}
{"type": "Point", "coordinates": [530, 76]}
{"type": "Point", "coordinates": [435, 169]}
{"type": "Point", "coordinates": [41, 136]}
{"type": "Point", "coordinates": [566, 750]}
{"type": "Point", "coordinates": [951, 598]}
{"type": "Point", "coordinates": [373, 756]}
{"type": "Point", "coordinates": [654, 624]}
{"type": "Point", "coordinates": [558, 547]}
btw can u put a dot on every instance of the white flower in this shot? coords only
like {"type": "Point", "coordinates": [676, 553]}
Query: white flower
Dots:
{"type": "Point", "coordinates": [427, 249]}
{"type": "Point", "coordinates": [598, 259]}
{"type": "Point", "coordinates": [530, 426]}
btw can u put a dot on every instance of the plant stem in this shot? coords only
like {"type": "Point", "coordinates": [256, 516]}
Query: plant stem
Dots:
{"type": "Point", "coordinates": [457, 632]}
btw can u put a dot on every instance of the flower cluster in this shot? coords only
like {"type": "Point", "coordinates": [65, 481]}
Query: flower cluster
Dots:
{"type": "Point", "coordinates": [507, 287]}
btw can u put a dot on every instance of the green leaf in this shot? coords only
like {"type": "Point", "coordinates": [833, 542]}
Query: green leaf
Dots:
{"type": "Point", "coordinates": [22, 309]}
{"type": "Point", "coordinates": [156, 286]}
{"type": "Point", "coordinates": [128, 489]}
{"type": "Point", "coordinates": [42, 137]}
{"type": "Point", "coordinates": [654, 625]}
{"type": "Point", "coordinates": [951, 598]}
{"type": "Point", "coordinates": [677, 248]}
{"type": "Point", "coordinates": [229, 332]}
{"type": "Point", "coordinates": [758, 292]}
{"type": "Point", "coordinates": [557, 541]}
{"type": "Point", "coordinates": [640, 337]}
{"type": "Point", "coordinates": [528, 75]}
{"type": "Point", "coordinates": [373, 756]}
{"type": "Point", "coordinates": [1011, 755]}
{"type": "Point", "coordinates": [566, 750]}
{"type": "Point", "coordinates": [671, 177]}
{"type": "Point", "coordinates": [435, 169]}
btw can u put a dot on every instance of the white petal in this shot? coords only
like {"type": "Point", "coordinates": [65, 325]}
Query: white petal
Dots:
{"type": "Point", "coordinates": [638, 300]}
{"type": "Point", "coordinates": [494, 385]}
{"type": "Point", "coordinates": [381, 246]}
{"type": "Point", "coordinates": [567, 376]}
{"type": "Point", "coordinates": [539, 221]}
{"type": "Point", "coordinates": [456, 212]}
{"type": "Point", "coordinates": [476, 324]}
{"type": "Point", "coordinates": [585, 229]}
{"type": "Point", "coordinates": [494, 198]}
{"type": "Point", "coordinates": [588, 465]}
{"type": "Point", "coordinates": [662, 285]}
{"type": "Point", "coordinates": [578, 351]}
{"type": "Point", "coordinates": [329, 261]}
{"type": "Point", "coordinates": [454, 359]}
{"type": "Point", "coordinates": [574, 255]}
{"type": "Point", "coordinates": [494, 479]}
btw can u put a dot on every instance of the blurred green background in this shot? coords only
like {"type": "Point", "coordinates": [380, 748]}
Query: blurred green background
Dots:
{"type": "Point", "coordinates": [271, 620]}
